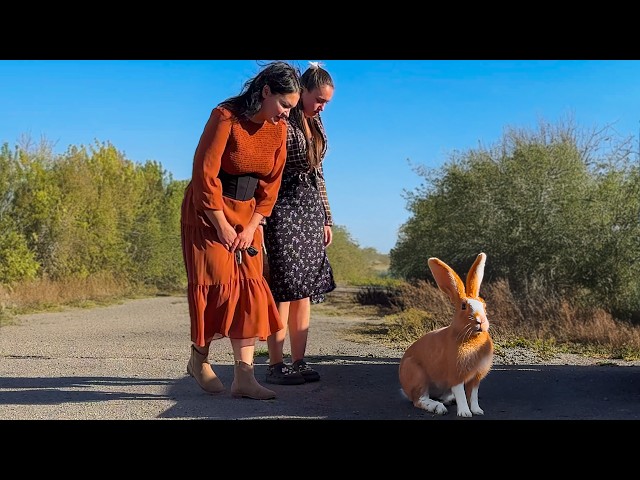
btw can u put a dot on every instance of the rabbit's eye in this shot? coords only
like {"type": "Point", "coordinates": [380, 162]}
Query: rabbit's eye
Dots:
{"type": "Point", "coordinates": [464, 306]}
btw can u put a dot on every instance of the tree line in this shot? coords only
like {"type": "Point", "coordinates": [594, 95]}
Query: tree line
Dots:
{"type": "Point", "coordinates": [556, 209]}
{"type": "Point", "coordinates": [91, 211]}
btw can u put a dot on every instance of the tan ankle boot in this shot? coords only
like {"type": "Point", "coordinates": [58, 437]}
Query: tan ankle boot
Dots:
{"type": "Point", "coordinates": [245, 383]}
{"type": "Point", "coordinates": [200, 369]}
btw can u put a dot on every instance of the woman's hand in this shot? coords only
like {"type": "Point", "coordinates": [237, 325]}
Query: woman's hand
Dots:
{"type": "Point", "coordinates": [225, 231]}
{"type": "Point", "coordinates": [328, 235]}
{"type": "Point", "coordinates": [244, 237]}
{"type": "Point", "coordinates": [227, 235]}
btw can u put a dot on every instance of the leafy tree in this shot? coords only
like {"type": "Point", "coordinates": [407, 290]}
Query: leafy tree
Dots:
{"type": "Point", "coordinates": [554, 207]}
{"type": "Point", "coordinates": [17, 261]}
{"type": "Point", "coordinates": [35, 196]}
{"type": "Point", "coordinates": [348, 261]}
{"type": "Point", "coordinates": [92, 211]}
{"type": "Point", "coordinates": [155, 239]}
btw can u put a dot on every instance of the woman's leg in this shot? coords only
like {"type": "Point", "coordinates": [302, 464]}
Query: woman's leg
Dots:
{"type": "Point", "coordinates": [278, 372]}
{"type": "Point", "coordinates": [243, 349]}
{"type": "Point", "coordinates": [275, 342]}
{"type": "Point", "coordinates": [299, 318]}
{"type": "Point", "coordinates": [298, 322]}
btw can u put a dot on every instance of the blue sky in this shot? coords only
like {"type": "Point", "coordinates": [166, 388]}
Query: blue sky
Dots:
{"type": "Point", "coordinates": [386, 116]}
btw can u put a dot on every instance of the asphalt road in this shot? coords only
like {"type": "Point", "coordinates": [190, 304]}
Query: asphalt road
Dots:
{"type": "Point", "coordinates": [127, 362]}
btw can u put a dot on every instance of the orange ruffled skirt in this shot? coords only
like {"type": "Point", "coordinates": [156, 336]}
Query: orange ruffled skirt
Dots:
{"type": "Point", "coordinates": [225, 299]}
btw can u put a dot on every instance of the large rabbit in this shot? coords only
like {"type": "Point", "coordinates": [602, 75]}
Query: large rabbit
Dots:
{"type": "Point", "coordinates": [448, 364]}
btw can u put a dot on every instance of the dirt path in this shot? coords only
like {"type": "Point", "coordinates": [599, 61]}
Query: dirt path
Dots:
{"type": "Point", "coordinates": [127, 362]}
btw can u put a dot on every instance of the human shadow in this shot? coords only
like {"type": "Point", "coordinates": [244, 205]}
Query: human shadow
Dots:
{"type": "Point", "coordinates": [61, 390]}
{"type": "Point", "coordinates": [355, 388]}
{"type": "Point", "coordinates": [367, 388]}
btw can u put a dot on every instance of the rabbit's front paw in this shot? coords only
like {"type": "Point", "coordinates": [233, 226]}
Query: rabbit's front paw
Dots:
{"type": "Point", "coordinates": [440, 409]}
{"type": "Point", "coordinates": [464, 411]}
{"type": "Point", "coordinates": [431, 405]}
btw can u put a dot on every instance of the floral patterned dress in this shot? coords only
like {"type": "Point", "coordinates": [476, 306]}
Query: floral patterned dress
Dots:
{"type": "Point", "coordinates": [294, 235]}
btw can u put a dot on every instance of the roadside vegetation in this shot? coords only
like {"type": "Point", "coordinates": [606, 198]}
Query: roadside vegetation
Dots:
{"type": "Point", "coordinates": [90, 227]}
{"type": "Point", "coordinates": [545, 324]}
{"type": "Point", "coordinates": [556, 210]}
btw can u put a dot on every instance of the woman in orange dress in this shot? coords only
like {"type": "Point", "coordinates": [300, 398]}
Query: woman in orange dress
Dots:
{"type": "Point", "coordinates": [237, 171]}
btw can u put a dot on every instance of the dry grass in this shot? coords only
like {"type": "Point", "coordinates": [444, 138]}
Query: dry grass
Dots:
{"type": "Point", "coordinates": [46, 295]}
{"type": "Point", "coordinates": [548, 319]}
{"type": "Point", "coordinates": [541, 321]}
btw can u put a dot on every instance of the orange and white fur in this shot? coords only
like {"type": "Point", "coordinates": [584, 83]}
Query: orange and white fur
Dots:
{"type": "Point", "coordinates": [448, 363]}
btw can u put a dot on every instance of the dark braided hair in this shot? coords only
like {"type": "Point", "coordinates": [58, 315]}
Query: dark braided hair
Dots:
{"type": "Point", "coordinates": [282, 79]}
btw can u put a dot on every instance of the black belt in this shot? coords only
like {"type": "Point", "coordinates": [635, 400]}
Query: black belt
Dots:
{"type": "Point", "coordinates": [238, 187]}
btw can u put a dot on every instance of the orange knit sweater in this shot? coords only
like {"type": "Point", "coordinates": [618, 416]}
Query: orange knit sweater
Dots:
{"type": "Point", "coordinates": [238, 147]}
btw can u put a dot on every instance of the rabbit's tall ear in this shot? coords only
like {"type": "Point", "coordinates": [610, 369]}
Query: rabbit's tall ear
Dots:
{"type": "Point", "coordinates": [448, 281]}
{"type": "Point", "coordinates": [474, 277]}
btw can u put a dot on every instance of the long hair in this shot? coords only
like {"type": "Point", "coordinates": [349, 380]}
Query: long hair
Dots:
{"type": "Point", "coordinates": [282, 79]}
{"type": "Point", "coordinates": [314, 77]}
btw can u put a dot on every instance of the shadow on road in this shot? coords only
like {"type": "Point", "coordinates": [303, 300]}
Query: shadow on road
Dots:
{"type": "Point", "coordinates": [356, 388]}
